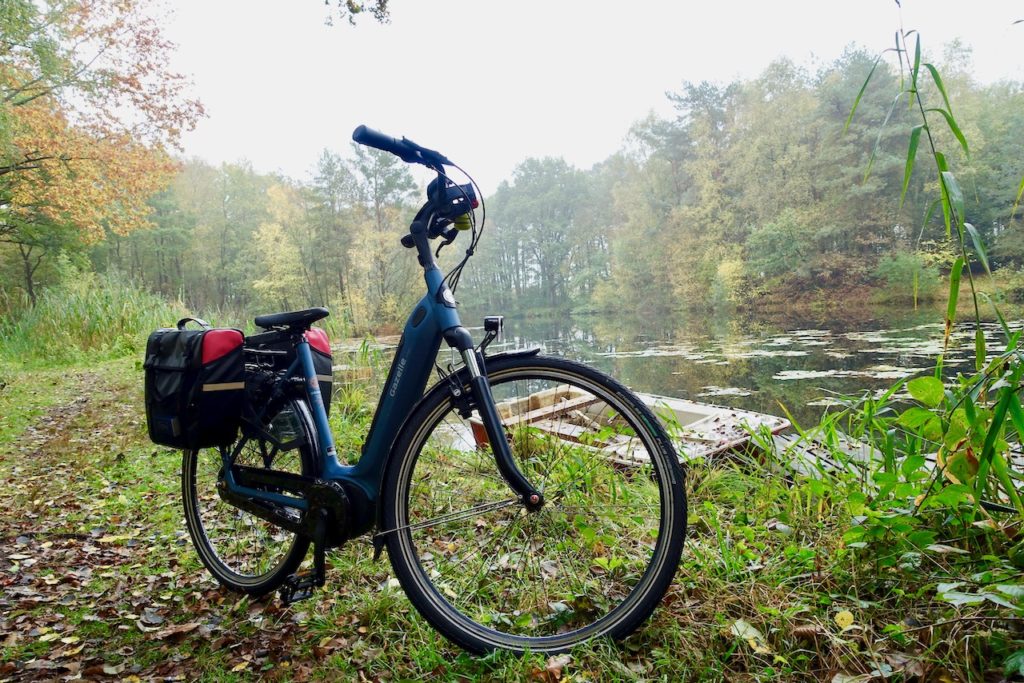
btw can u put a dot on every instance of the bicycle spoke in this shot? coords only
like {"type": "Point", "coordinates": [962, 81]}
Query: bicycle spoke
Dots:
{"type": "Point", "coordinates": [242, 543]}
{"type": "Point", "coordinates": [456, 516]}
{"type": "Point", "coordinates": [562, 567]}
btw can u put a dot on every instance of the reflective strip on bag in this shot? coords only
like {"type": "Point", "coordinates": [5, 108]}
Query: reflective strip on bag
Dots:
{"type": "Point", "coordinates": [325, 378]}
{"type": "Point", "coordinates": [224, 386]}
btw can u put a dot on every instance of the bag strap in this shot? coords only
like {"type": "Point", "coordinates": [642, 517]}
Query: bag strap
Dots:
{"type": "Point", "coordinates": [199, 321]}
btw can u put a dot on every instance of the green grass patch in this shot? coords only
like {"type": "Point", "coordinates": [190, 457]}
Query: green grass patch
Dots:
{"type": "Point", "coordinates": [87, 319]}
{"type": "Point", "coordinates": [96, 570]}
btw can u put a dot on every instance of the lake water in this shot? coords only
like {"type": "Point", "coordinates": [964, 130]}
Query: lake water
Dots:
{"type": "Point", "coordinates": [755, 364]}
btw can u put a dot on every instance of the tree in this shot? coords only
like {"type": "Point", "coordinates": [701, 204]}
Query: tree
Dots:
{"type": "Point", "coordinates": [280, 285]}
{"type": "Point", "coordinates": [87, 107]}
{"type": "Point", "coordinates": [539, 208]}
{"type": "Point", "coordinates": [349, 10]}
{"type": "Point", "coordinates": [334, 195]}
{"type": "Point", "coordinates": [383, 183]}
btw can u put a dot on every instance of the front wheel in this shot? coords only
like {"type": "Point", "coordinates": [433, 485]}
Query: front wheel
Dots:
{"type": "Point", "coordinates": [594, 560]}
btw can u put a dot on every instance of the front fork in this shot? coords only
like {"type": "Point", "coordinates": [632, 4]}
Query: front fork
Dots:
{"type": "Point", "coordinates": [460, 339]}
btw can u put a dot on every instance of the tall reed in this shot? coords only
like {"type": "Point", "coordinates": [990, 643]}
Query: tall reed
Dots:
{"type": "Point", "coordinates": [90, 317]}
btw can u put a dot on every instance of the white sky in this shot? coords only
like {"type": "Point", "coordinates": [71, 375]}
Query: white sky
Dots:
{"type": "Point", "coordinates": [490, 83]}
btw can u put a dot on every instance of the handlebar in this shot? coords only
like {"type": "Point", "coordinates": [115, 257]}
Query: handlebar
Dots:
{"type": "Point", "coordinates": [405, 149]}
{"type": "Point", "coordinates": [447, 203]}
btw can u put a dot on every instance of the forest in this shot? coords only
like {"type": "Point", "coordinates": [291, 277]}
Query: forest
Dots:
{"type": "Point", "coordinates": [756, 192]}
{"type": "Point", "coordinates": [883, 542]}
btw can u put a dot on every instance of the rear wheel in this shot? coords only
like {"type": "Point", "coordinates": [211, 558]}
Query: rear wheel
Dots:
{"type": "Point", "coordinates": [597, 557]}
{"type": "Point", "coordinates": [244, 552]}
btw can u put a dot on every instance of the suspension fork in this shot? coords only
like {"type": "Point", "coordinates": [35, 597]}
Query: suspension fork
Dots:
{"type": "Point", "coordinates": [460, 339]}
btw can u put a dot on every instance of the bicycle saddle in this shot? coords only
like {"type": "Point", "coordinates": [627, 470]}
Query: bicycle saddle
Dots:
{"type": "Point", "coordinates": [292, 318]}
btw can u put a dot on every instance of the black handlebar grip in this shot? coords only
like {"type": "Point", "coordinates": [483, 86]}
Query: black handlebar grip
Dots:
{"type": "Point", "coordinates": [376, 139]}
{"type": "Point", "coordinates": [405, 149]}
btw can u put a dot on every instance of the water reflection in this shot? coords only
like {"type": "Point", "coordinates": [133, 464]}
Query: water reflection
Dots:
{"type": "Point", "coordinates": [755, 364]}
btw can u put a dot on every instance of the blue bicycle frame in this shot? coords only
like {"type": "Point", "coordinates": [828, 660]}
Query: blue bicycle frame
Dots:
{"type": "Point", "coordinates": [433, 319]}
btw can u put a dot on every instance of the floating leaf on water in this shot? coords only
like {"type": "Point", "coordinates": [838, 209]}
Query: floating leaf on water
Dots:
{"type": "Point", "coordinates": [684, 352]}
{"type": "Point", "coordinates": [888, 372]}
{"type": "Point", "coordinates": [805, 374]}
{"type": "Point", "coordinates": [826, 402]}
{"type": "Point", "coordinates": [779, 341]}
{"type": "Point", "coordinates": [763, 353]}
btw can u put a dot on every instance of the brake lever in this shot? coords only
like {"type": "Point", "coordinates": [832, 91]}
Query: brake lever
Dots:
{"type": "Point", "coordinates": [449, 236]}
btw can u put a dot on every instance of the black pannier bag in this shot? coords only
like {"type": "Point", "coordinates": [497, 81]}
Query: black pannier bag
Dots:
{"type": "Point", "coordinates": [276, 347]}
{"type": "Point", "coordinates": [195, 381]}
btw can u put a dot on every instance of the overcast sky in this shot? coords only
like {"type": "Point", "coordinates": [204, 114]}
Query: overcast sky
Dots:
{"type": "Point", "coordinates": [490, 83]}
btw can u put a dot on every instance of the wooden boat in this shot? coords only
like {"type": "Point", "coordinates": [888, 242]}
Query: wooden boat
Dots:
{"type": "Point", "coordinates": [698, 430]}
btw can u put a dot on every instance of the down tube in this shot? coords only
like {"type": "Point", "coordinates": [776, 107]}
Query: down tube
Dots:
{"type": "Point", "coordinates": [410, 371]}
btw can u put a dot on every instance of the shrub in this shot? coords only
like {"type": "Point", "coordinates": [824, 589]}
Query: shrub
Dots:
{"type": "Point", "coordinates": [908, 277]}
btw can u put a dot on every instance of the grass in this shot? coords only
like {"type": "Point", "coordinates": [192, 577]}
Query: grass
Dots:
{"type": "Point", "coordinates": [89, 318]}
{"type": "Point", "coordinates": [106, 573]}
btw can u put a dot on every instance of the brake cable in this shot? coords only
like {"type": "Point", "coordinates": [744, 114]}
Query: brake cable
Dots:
{"type": "Point", "coordinates": [454, 275]}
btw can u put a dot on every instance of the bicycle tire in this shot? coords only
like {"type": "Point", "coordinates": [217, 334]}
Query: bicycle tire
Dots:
{"type": "Point", "coordinates": [464, 582]}
{"type": "Point", "coordinates": [255, 556]}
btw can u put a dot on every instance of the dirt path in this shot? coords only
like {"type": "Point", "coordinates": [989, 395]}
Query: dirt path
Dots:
{"type": "Point", "coordinates": [91, 580]}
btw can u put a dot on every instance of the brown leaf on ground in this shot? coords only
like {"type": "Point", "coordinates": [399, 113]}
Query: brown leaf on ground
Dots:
{"type": "Point", "coordinates": [175, 632]}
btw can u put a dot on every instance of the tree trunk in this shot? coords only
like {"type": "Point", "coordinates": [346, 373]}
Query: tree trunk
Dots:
{"type": "Point", "coordinates": [29, 270]}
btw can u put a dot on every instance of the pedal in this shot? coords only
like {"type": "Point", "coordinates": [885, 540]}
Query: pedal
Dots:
{"type": "Point", "coordinates": [301, 586]}
{"type": "Point", "coordinates": [297, 587]}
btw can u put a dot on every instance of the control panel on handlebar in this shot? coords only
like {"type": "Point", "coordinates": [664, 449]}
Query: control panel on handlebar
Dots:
{"type": "Point", "coordinates": [451, 201]}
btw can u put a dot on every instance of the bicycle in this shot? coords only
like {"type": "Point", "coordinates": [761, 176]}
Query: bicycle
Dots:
{"type": "Point", "coordinates": [526, 502]}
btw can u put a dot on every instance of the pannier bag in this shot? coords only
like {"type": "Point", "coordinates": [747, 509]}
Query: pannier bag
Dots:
{"type": "Point", "coordinates": [195, 381]}
{"type": "Point", "coordinates": [277, 346]}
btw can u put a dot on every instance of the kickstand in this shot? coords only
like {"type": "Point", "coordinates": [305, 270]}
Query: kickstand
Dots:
{"type": "Point", "coordinates": [301, 586]}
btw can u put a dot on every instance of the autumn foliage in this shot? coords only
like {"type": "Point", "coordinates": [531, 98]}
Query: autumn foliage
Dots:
{"type": "Point", "coordinates": [88, 109]}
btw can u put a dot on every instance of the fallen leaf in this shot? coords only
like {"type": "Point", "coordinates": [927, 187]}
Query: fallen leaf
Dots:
{"type": "Point", "coordinates": [851, 678]}
{"type": "Point", "coordinates": [151, 618]}
{"type": "Point", "coordinates": [556, 664]}
{"type": "Point", "coordinates": [742, 629]}
{"type": "Point", "coordinates": [758, 647]}
{"type": "Point", "coordinates": [944, 549]}
{"type": "Point", "coordinates": [844, 619]}
{"type": "Point", "coordinates": [176, 631]}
